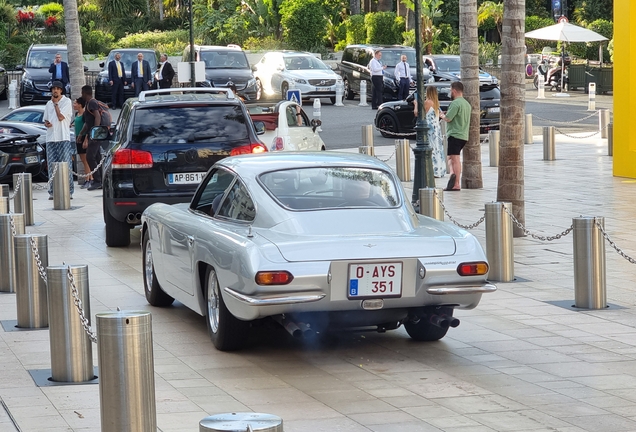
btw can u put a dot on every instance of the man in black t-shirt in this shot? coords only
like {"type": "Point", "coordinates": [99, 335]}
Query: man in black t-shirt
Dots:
{"type": "Point", "coordinates": [93, 150]}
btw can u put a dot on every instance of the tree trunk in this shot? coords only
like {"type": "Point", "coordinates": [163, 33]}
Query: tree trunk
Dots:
{"type": "Point", "coordinates": [74, 46]}
{"type": "Point", "coordinates": [385, 6]}
{"type": "Point", "coordinates": [469, 53]}
{"type": "Point", "coordinates": [510, 181]}
{"type": "Point", "coordinates": [160, 4]}
{"type": "Point", "coordinates": [367, 6]}
{"type": "Point", "coordinates": [354, 7]}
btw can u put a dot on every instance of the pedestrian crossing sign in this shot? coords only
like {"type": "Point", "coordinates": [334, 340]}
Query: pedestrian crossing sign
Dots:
{"type": "Point", "coordinates": [295, 96]}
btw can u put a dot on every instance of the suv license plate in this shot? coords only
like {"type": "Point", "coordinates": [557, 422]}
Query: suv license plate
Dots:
{"type": "Point", "coordinates": [185, 178]}
{"type": "Point", "coordinates": [31, 159]}
{"type": "Point", "coordinates": [46, 94]}
{"type": "Point", "coordinates": [323, 89]}
{"type": "Point", "coordinates": [375, 280]}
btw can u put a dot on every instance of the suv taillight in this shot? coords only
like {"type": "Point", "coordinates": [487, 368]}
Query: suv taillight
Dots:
{"type": "Point", "coordinates": [132, 159]}
{"type": "Point", "coordinates": [247, 149]}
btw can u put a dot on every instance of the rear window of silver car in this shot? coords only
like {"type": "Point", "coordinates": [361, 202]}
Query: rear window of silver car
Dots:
{"type": "Point", "coordinates": [331, 188]}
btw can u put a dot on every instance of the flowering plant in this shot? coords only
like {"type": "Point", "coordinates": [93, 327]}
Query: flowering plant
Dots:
{"type": "Point", "coordinates": [51, 22]}
{"type": "Point", "coordinates": [25, 17]}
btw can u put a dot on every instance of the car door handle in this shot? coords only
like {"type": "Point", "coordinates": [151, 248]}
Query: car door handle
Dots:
{"type": "Point", "coordinates": [190, 240]}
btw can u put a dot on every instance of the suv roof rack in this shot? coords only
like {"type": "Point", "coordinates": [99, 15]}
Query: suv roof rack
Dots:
{"type": "Point", "coordinates": [144, 94]}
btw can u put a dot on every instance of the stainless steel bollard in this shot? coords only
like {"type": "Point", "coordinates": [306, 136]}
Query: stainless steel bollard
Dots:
{"type": "Point", "coordinates": [591, 103]}
{"type": "Point", "coordinates": [241, 421]}
{"type": "Point", "coordinates": [430, 205]}
{"type": "Point", "coordinates": [528, 131]}
{"type": "Point", "coordinates": [7, 252]}
{"type": "Point", "coordinates": [549, 150]}
{"type": "Point", "coordinates": [367, 135]}
{"type": "Point", "coordinates": [126, 371]}
{"type": "Point", "coordinates": [4, 205]}
{"type": "Point", "coordinates": [363, 93]}
{"type": "Point", "coordinates": [23, 199]}
{"type": "Point", "coordinates": [366, 150]}
{"type": "Point", "coordinates": [589, 263]}
{"type": "Point", "coordinates": [61, 187]}
{"type": "Point", "coordinates": [541, 87]}
{"type": "Point", "coordinates": [4, 193]}
{"type": "Point", "coordinates": [603, 121]}
{"type": "Point", "coordinates": [403, 159]}
{"type": "Point", "coordinates": [499, 245]}
{"type": "Point", "coordinates": [30, 292]}
{"type": "Point", "coordinates": [493, 147]}
{"type": "Point", "coordinates": [71, 349]}
{"type": "Point", "coordinates": [610, 139]}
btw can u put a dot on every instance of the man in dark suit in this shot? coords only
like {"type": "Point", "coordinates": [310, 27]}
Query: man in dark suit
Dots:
{"type": "Point", "coordinates": [165, 72]}
{"type": "Point", "coordinates": [140, 74]}
{"type": "Point", "coordinates": [117, 80]}
{"type": "Point", "coordinates": [59, 71]}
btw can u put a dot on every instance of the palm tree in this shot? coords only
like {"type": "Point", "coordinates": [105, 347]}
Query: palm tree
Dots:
{"type": "Point", "coordinates": [510, 182]}
{"type": "Point", "coordinates": [430, 10]}
{"type": "Point", "coordinates": [469, 58]}
{"type": "Point", "coordinates": [490, 9]}
{"type": "Point", "coordinates": [74, 46]}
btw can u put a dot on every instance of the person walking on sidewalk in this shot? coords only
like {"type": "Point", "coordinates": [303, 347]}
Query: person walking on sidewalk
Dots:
{"type": "Point", "coordinates": [458, 118]}
{"type": "Point", "coordinates": [92, 118]}
{"type": "Point", "coordinates": [78, 106]}
{"type": "Point", "coordinates": [377, 79]}
{"type": "Point", "coordinates": [57, 119]}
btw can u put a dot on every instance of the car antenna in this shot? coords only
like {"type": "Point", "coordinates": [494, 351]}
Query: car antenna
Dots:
{"type": "Point", "coordinates": [249, 232]}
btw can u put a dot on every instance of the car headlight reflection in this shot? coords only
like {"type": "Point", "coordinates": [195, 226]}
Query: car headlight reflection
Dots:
{"type": "Point", "coordinates": [299, 81]}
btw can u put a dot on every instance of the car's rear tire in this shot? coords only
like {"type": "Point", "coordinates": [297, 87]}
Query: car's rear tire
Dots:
{"type": "Point", "coordinates": [154, 294]}
{"type": "Point", "coordinates": [283, 91]}
{"type": "Point", "coordinates": [386, 122]}
{"type": "Point", "coordinates": [227, 332]}
{"type": "Point", "coordinates": [348, 93]}
{"type": "Point", "coordinates": [5, 93]}
{"type": "Point", "coordinates": [535, 82]}
{"type": "Point", "coordinates": [117, 233]}
{"type": "Point", "coordinates": [424, 330]}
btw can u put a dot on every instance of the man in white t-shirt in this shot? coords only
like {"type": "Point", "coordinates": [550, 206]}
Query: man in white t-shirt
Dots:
{"type": "Point", "coordinates": [58, 113]}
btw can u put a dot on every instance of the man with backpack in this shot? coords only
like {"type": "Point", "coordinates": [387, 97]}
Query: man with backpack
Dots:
{"type": "Point", "coordinates": [95, 114]}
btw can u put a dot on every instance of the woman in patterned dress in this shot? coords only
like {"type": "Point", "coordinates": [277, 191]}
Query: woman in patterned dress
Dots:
{"type": "Point", "coordinates": [431, 110]}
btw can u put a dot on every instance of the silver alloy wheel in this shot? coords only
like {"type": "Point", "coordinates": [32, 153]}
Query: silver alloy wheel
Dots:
{"type": "Point", "coordinates": [213, 302]}
{"type": "Point", "coordinates": [148, 268]}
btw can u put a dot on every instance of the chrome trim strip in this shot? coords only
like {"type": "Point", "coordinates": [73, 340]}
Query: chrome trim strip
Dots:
{"type": "Point", "coordinates": [274, 300]}
{"type": "Point", "coordinates": [477, 289]}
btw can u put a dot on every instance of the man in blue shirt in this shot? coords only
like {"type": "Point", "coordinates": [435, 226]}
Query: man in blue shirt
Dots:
{"type": "Point", "coordinates": [59, 71]}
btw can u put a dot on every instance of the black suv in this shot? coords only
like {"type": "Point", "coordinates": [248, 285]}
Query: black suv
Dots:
{"type": "Point", "coordinates": [162, 146]}
{"type": "Point", "coordinates": [36, 78]}
{"type": "Point", "coordinates": [224, 66]}
{"type": "Point", "coordinates": [19, 153]}
{"type": "Point", "coordinates": [103, 89]}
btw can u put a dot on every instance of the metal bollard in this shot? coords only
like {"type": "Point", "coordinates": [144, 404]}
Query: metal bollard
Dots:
{"type": "Point", "coordinates": [7, 252]}
{"type": "Point", "coordinates": [549, 150]}
{"type": "Point", "coordinates": [591, 103]}
{"type": "Point", "coordinates": [339, 93]}
{"type": "Point", "coordinates": [589, 263]}
{"type": "Point", "coordinates": [370, 151]}
{"type": "Point", "coordinates": [430, 205]}
{"type": "Point", "coordinates": [4, 205]}
{"type": "Point", "coordinates": [317, 112]}
{"type": "Point", "coordinates": [4, 193]}
{"type": "Point", "coordinates": [403, 159]}
{"type": "Point", "coordinates": [603, 121]}
{"type": "Point", "coordinates": [367, 138]}
{"type": "Point", "coordinates": [61, 187]}
{"type": "Point", "coordinates": [13, 94]}
{"type": "Point", "coordinates": [241, 421]}
{"type": "Point", "coordinates": [71, 349]}
{"type": "Point", "coordinates": [126, 371]}
{"type": "Point", "coordinates": [610, 139]}
{"type": "Point", "coordinates": [528, 132]}
{"type": "Point", "coordinates": [363, 93]}
{"type": "Point", "coordinates": [30, 292]}
{"type": "Point", "coordinates": [499, 245]}
{"type": "Point", "coordinates": [540, 87]}
{"type": "Point", "coordinates": [23, 199]}
{"type": "Point", "coordinates": [493, 147]}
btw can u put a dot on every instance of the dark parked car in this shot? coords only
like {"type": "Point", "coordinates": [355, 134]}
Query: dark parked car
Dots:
{"type": "Point", "coordinates": [447, 67]}
{"type": "Point", "coordinates": [103, 91]}
{"type": "Point", "coordinates": [398, 116]}
{"type": "Point", "coordinates": [225, 66]}
{"type": "Point", "coordinates": [20, 153]}
{"type": "Point", "coordinates": [163, 144]}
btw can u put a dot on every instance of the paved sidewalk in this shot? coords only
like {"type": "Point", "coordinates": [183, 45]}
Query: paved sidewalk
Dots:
{"type": "Point", "coordinates": [523, 360]}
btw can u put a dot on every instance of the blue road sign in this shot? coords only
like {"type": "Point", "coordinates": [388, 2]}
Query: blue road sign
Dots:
{"type": "Point", "coordinates": [295, 96]}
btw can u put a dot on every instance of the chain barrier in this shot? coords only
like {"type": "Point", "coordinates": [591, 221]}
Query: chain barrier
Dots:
{"type": "Point", "coordinates": [48, 183]}
{"type": "Point", "coordinates": [90, 173]}
{"type": "Point", "coordinates": [389, 158]}
{"type": "Point", "coordinates": [12, 222]}
{"type": "Point", "coordinates": [38, 261]}
{"type": "Point", "coordinates": [468, 227]}
{"type": "Point", "coordinates": [581, 137]}
{"type": "Point", "coordinates": [396, 134]}
{"type": "Point", "coordinates": [595, 113]}
{"type": "Point", "coordinates": [536, 236]}
{"type": "Point", "coordinates": [16, 187]}
{"type": "Point", "coordinates": [78, 305]}
{"type": "Point", "coordinates": [611, 243]}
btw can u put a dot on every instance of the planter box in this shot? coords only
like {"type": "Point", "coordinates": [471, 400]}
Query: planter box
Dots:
{"type": "Point", "coordinates": [603, 77]}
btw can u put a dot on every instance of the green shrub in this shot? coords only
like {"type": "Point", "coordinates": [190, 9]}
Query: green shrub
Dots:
{"type": "Point", "coordinates": [589, 51]}
{"type": "Point", "coordinates": [88, 13]}
{"type": "Point", "coordinates": [96, 42]}
{"type": "Point", "coordinates": [384, 28]}
{"type": "Point", "coordinates": [489, 52]}
{"type": "Point", "coordinates": [171, 42]}
{"type": "Point", "coordinates": [409, 38]}
{"type": "Point", "coordinates": [446, 37]}
{"type": "Point", "coordinates": [269, 43]}
{"type": "Point", "coordinates": [356, 33]}
{"type": "Point", "coordinates": [14, 52]}
{"type": "Point", "coordinates": [51, 9]}
{"type": "Point", "coordinates": [451, 49]}
{"type": "Point", "coordinates": [304, 24]}
{"type": "Point", "coordinates": [534, 23]}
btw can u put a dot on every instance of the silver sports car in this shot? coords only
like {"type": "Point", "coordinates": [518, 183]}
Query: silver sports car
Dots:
{"type": "Point", "coordinates": [316, 241]}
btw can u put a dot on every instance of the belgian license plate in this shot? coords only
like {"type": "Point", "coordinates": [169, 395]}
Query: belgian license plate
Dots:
{"type": "Point", "coordinates": [494, 110]}
{"type": "Point", "coordinates": [185, 178]}
{"type": "Point", "coordinates": [46, 94]}
{"type": "Point", "coordinates": [31, 159]}
{"type": "Point", "coordinates": [323, 89]}
{"type": "Point", "coordinates": [375, 280]}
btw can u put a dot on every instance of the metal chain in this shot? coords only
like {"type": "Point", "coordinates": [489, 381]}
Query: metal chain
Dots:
{"type": "Point", "coordinates": [581, 137]}
{"type": "Point", "coordinates": [78, 305]}
{"type": "Point", "coordinates": [48, 183]}
{"type": "Point", "coordinates": [612, 244]}
{"type": "Point", "coordinates": [90, 173]}
{"type": "Point", "coordinates": [388, 159]}
{"type": "Point", "coordinates": [16, 187]}
{"type": "Point", "coordinates": [12, 222]}
{"type": "Point", "coordinates": [38, 262]}
{"type": "Point", "coordinates": [536, 236]}
{"type": "Point", "coordinates": [468, 227]}
{"type": "Point", "coordinates": [397, 134]}
{"type": "Point", "coordinates": [566, 122]}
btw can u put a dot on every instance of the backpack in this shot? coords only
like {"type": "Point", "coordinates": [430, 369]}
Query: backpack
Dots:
{"type": "Point", "coordinates": [104, 114]}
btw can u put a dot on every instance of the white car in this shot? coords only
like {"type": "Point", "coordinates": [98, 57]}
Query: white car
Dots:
{"type": "Point", "coordinates": [279, 71]}
{"type": "Point", "coordinates": [287, 127]}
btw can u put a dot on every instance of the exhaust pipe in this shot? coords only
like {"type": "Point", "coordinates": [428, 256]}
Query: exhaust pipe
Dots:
{"type": "Point", "coordinates": [133, 218]}
{"type": "Point", "coordinates": [291, 327]}
{"type": "Point", "coordinates": [439, 321]}
{"type": "Point", "coordinates": [452, 321]}
{"type": "Point", "coordinates": [306, 330]}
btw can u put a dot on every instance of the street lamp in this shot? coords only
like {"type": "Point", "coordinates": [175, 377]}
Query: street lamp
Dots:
{"type": "Point", "coordinates": [423, 177]}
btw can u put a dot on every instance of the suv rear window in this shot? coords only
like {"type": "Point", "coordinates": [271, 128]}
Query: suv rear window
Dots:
{"type": "Point", "coordinates": [42, 58]}
{"type": "Point", "coordinates": [179, 125]}
{"type": "Point", "coordinates": [224, 59]}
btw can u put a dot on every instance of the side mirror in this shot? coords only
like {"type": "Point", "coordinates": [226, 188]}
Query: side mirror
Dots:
{"type": "Point", "coordinates": [254, 68]}
{"type": "Point", "coordinates": [100, 133]}
{"type": "Point", "coordinates": [85, 68]}
{"type": "Point", "coordinates": [260, 127]}
{"type": "Point", "coordinates": [314, 124]}
{"type": "Point", "coordinates": [280, 68]}
{"type": "Point", "coordinates": [101, 64]}
{"type": "Point", "coordinates": [19, 67]}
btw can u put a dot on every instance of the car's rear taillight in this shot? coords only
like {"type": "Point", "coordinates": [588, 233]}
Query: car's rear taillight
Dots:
{"type": "Point", "coordinates": [279, 143]}
{"type": "Point", "coordinates": [131, 159]}
{"type": "Point", "coordinates": [472, 268]}
{"type": "Point", "coordinates": [248, 149]}
{"type": "Point", "coordinates": [273, 277]}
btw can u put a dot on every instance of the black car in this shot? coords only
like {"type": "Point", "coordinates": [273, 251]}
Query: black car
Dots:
{"type": "Point", "coordinates": [20, 153]}
{"type": "Point", "coordinates": [225, 66]}
{"type": "Point", "coordinates": [162, 146]}
{"type": "Point", "coordinates": [447, 67]}
{"type": "Point", "coordinates": [398, 116]}
{"type": "Point", "coordinates": [103, 89]}
{"type": "Point", "coordinates": [35, 85]}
